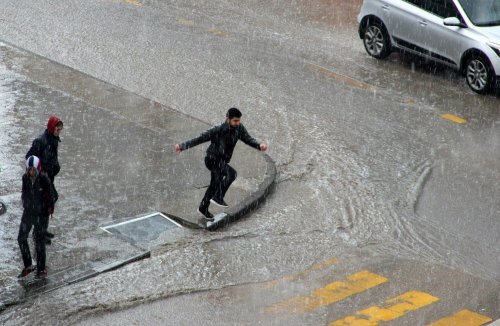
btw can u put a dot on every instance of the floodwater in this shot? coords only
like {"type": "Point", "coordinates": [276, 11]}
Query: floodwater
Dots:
{"type": "Point", "coordinates": [352, 161]}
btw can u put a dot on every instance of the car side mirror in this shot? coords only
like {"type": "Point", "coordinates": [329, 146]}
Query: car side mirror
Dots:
{"type": "Point", "coordinates": [453, 21]}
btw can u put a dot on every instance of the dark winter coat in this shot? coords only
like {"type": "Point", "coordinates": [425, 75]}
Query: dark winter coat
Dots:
{"type": "Point", "coordinates": [45, 147]}
{"type": "Point", "coordinates": [222, 139]}
{"type": "Point", "coordinates": [38, 195]}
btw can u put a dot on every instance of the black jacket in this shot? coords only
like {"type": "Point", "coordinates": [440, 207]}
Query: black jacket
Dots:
{"type": "Point", "coordinates": [222, 139]}
{"type": "Point", "coordinates": [45, 147]}
{"type": "Point", "coordinates": [38, 195]}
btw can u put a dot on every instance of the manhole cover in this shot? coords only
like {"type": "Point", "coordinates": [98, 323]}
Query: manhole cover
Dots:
{"type": "Point", "coordinates": [142, 229]}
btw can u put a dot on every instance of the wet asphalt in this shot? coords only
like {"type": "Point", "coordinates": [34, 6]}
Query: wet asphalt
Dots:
{"type": "Point", "coordinates": [369, 173]}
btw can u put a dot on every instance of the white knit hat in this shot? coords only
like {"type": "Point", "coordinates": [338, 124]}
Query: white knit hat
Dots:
{"type": "Point", "coordinates": [33, 162]}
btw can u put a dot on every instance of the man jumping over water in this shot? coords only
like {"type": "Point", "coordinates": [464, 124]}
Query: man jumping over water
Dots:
{"type": "Point", "coordinates": [223, 139]}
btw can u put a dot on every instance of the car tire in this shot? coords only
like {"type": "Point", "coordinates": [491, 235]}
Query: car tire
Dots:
{"type": "Point", "coordinates": [376, 39]}
{"type": "Point", "coordinates": [479, 74]}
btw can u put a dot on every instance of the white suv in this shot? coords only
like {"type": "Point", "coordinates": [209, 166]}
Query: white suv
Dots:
{"type": "Point", "coordinates": [463, 34]}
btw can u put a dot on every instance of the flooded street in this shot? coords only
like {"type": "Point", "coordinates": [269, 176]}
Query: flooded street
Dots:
{"type": "Point", "coordinates": [370, 173]}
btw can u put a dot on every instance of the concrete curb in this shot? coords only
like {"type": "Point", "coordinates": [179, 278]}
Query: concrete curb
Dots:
{"type": "Point", "coordinates": [242, 208]}
{"type": "Point", "coordinates": [7, 300]}
{"type": "Point", "coordinates": [251, 202]}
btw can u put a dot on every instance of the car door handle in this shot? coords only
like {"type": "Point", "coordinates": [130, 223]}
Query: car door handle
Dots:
{"type": "Point", "coordinates": [385, 7]}
{"type": "Point", "coordinates": [422, 23]}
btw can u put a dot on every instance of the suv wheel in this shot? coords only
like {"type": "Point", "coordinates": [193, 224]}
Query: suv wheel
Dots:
{"type": "Point", "coordinates": [478, 74]}
{"type": "Point", "coordinates": [376, 40]}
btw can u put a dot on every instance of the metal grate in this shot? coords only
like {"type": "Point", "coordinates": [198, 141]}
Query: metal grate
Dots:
{"type": "Point", "coordinates": [142, 229]}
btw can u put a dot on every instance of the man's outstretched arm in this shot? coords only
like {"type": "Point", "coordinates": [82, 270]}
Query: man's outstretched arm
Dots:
{"type": "Point", "coordinates": [250, 141]}
{"type": "Point", "coordinates": [204, 137]}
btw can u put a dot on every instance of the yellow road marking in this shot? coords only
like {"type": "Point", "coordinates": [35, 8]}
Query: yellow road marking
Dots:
{"type": "Point", "coordinates": [134, 2]}
{"type": "Point", "coordinates": [408, 101]}
{"type": "Point", "coordinates": [453, 118]}
{"type": "Point", "coordinates": [463, 318]}
{"type": "Point", "coordinates": [321, 265]}
{"type": "Point", "coordinates": [217, 32]}
{"type": "Point", "coordinates": [331, 293]}
{"type": "Point", "coordinates": [185, 22]}
{"type": "Point", "coordinates": [390, 310]}
{"type": "Point", "coordinates": [345, 79]}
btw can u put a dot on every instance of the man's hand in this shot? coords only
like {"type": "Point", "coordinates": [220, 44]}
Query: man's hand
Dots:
{"type": "Point", "coordinates": [50, 210]}
{"type": "Point", "coordinates": [263, 147]}
{"type": "Point", "coordinates": [178, 148]}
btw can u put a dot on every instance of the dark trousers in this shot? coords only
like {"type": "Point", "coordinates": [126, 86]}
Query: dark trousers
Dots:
{"type": "Point", "coordinates": [44, 222]}
{"type": "Point", "coordinates": [28, 222]}
{"type": "Point", "coordinates": [222, 175]}
{"type": "Point", "coordinates": [45, 219]}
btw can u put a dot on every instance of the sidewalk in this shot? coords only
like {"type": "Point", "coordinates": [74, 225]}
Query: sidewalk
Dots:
{"type": "Point", "coordinates": [117, 163]}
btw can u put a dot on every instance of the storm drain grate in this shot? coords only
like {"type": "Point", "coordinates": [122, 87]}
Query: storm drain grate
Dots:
{"type": "Point", "coordinates": [142, 229]}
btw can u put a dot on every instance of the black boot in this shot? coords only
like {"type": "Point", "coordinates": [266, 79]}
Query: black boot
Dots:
{"type": "Point", "coordinates": [206, 215]}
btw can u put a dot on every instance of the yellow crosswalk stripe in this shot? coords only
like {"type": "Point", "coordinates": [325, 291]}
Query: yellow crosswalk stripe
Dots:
{"type": "Point", "coordinates": [134, 2]}
{"type": "Point", "coordinates": [463, 318]}
{"type": "Point", "coordinates": [217, 32]}
{"type": "Point", "coordinates": [331, 293]}
{"type": "Point", "coordinates": [184, 21]}
{"type": "Point", "coordinates": [390, 310]}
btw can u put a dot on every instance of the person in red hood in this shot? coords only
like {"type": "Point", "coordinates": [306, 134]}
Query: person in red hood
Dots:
{"type": "Point", "coordinates": [45, 148]}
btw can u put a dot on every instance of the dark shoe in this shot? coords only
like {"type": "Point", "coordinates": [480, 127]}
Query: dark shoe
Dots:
{"type": "Point", "coordinates": [219, 202]}
{"type": "Point", "coordinates": [206, 215]}
{"type": "Point", "coordinates": [26, 271]}
{"type": "Point", "coordinates": [49, 235]}
{"type": "Point", "coordinates": [41, 275]}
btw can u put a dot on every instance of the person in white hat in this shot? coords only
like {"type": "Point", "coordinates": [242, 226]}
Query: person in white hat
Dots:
{"type": "Point", "coordinates": [38, 200]}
